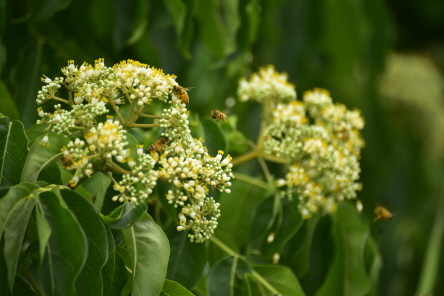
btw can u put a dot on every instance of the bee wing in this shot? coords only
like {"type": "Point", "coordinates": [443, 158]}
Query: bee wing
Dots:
{"type": "Point", "coordinates": [188, 88]}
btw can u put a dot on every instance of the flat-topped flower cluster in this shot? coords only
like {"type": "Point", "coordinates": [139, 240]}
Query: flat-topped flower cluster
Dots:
{"type": "Point", "coordinates": [320, 139]}
{"type": "Point", "coordinates": [99, 144]}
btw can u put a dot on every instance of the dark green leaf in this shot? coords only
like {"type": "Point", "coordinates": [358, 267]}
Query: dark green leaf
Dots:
{"type": "Point", "coordinates": [225, 277]}
{"type": "Point", "coordinates": [124, 216]}
{"type": "Point", "coordinates": [35, 131]}
{"type": "Point", "coordinates": [8, 107]}
{"type": "Point", "coordinates": [148, 248]}
{"type": "Point", "coordinates": [347, 274]}
{"type": "Point", "coordinates": [13, 151]}
{"type": "Point", "coordinates": [266, 213]}
{"type": "Point", "coordinates": [51, 174]}
{"type": "Point", "coordinates": [280, 278]}
{"type": "Point", "coordinates": [374, 263]}
{"type": "Point", "coordinates": [66, 250]}
{"type": "Point", "coordinates": [215, 139]}
{"type": "Point", "coordinates": [187, 259]}
{"type": "Point", "coordinates": [172, 288]}
{"type": "Point", "coordinates": [43, 10]}
{"type": "Point", "coordinates": [15, 230]}
{"type": "Point", "coordinates": [41, 156]}
{"type": "Point", "coordinates": [114, 273]}
{"type": "Point", "coordinates": [90, 279]}
{"type": "Point", "coordinates": [236, 218]}
{"type": "Point", "coordinates": [287, 223]}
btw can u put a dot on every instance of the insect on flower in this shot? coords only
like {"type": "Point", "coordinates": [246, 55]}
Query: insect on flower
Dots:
{"type": "Point", "coordinates": [382, 213]}
{"type": "Point", "coordinates": [216, 114]}
{"type": "Point", "coordinates": [159, 145]}
{"type": "Point", "coordinates": [181, 93]}
{"type": "Point", "coordinates": [67, 160]}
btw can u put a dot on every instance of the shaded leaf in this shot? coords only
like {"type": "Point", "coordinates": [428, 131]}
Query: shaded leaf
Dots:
{"type": "Point", "coordinates": [41, 156]}
{"type": "Point", "coordinates": [225, 277]}
{"type": "Point", "coordinates": [236, 218]}
{"type": "Point", "coordinates": [215, 139]}
{"type": "Point", "coordinates": [187, 259]}
{"type": "Point", "coordinates": [148, 248]}
{"type": "Point", "coordinates": [51, 174]}
{"type": "Point", "coordinates": [14, 233]}
{"type": "Point", "coordinates": [8, 107]}
{"type": "Point", "coordinates": [114, 273]}
{"type": "Point", "coordinates": [66, 250]}
{"type": "Point", "coordinates": [347, 274]}
{"type": "Point", "coordinates": [90, 279]}
{"type": "Point", "coordinates": [13, 151]}
{"type": "Point", "coordinates": [124, 216]}
{"type": "Point", "coordinates": [43, 10]}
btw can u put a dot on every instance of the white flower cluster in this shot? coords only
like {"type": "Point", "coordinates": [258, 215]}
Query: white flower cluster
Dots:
{"type": "Point", "coordinates": [325, 154]}
{"type": "Point", "coordinates": [186, 164]}
{"type": "Point", "coordinates": [181, 160]}
{"type": "Point", "coordinates": [266, 86]}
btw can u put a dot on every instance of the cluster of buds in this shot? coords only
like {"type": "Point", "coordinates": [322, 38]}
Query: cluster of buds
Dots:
{"type": "Point", "coordinates": [320, 139]}
{"type": "Point", "coordinates": [96, 90]}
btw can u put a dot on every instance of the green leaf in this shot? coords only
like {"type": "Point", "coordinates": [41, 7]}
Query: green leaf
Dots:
{"type": "Point", "coordinates": [15, 230]}
{"type": "Point", "coordinates": [215, 139]}
{"type": "Point", "coordinates": [66, 250]}
{"type": "Point", "coordinates": [43, 231]}
{"type": "Point", "coordinates": [124, 216]}
{"type": "Point", "coordinates": [265, 215]}
{"type": "Point", "coordinates": [43, 10]}
{"type": "Point", "coordinates": [148, 248]}
{"type": "Point", "coordinates": [51, 174]}
{"type": "Point", "coordinates": [287, 223]}
{"type": "Point", "coordinates": [101, 193]}
{"type": "Point", "coordinates": [41, 156]}
{"type": "Point", "coordinates": [36, 131]}
{"type": "Point", "coordinates": [178, 11]}
{"type": "Point", "coordinates": [237, 208]}
{"type": "Point", "coordinates": [187, 259]}
{"type": "Point", "coordinates": [225, 277]}
{"type": "Point", "coordinates": [347, 274]}
{"type": "Point", "coordinates": [90, 279]}
{"type": "Point", "coordinates": [13, 151]}
{"type": "Point", "coordinates": [114, 273]}
{"type": "Point", "coordinates": [373, 263]}
{"type": "Point", "coordinates": [281, 278]}
{"type": "Point", "coordinates": [8, 107]}
{"type": "Point", "coordinates": [172, 288]}
{"type": "Point", "coordinates": [9, 201]}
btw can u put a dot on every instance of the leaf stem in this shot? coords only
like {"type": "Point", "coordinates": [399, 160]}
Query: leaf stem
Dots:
{"type": "Point", "coordinates": [245, 157]}
{"type": "Point", "coordinates": [252, 181]}
{"type": "Point", "coordinates": [147, 125]}
{"type": "Point", "coordinates": [150, 116]}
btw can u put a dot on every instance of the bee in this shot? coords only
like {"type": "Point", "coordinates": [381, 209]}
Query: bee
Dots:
{"type": "Point", "coordinates": [159, 145]}
{"type": "Point", "coordinates": [216, 114]}
{"type": "Point", "coordinates": [382, 213]}
{"type": "Point", "coordinates": [67, 160]}
{"type": "Point", "coordinates": [181, 93]}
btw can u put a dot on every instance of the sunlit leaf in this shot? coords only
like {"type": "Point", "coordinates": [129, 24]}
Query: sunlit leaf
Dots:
{"type": "Point", "coordinates": [280, 278]}
{"type": "Point", "coordinates": [347, 274]}
{"type": "Point", "coordinates": [13, 151]}
{"type": "Point", "coordinates": [41, 156]}
{"type": "Point", "coordinates": [172, 288]}
{"type": "Point", "coordinates": [66, 250]}
{"type": "Point", "coordinates": [90, 279]}
{"type": "Point", "coordinates": [148, 248]}
{"type": "Point", "coordinates": [125, 215]}
{"type": "Point", "coordinates": [187, 259]}
{"type": "Point", "coordinates": [101, 193]}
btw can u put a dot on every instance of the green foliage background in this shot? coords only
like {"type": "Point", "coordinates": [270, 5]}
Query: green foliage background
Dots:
{"type": "Point", "coordinates": [209, 44]}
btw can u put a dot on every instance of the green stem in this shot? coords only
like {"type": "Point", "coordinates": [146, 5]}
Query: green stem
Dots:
{"type": "Point", "coordinates": [253, 181]}
{"type": "Point", "coordinates": [434, 247]}
{"type": "Point", "coordinates": [150, 116]}
{"type": "Point", "coordinates": [33, 283]}
{"type": "Point", "coordinates": [147, 125]}
{"type": "Point", "coordinates": [245, 157]}
{"type": "Point", "coordinates": [60, 99]}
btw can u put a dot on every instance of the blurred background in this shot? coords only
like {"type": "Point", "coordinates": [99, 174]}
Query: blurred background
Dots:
{"type": "Point", "coordinates": [385, 58]}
